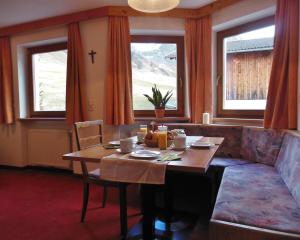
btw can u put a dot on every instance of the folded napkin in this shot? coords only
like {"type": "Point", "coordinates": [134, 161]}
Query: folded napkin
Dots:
{"type": "Point", "coordinates": [111, 146]}
{"type": "Point", "coordinates": [170, 157]}
{"type": "Point", "coordinates": [122, 168]}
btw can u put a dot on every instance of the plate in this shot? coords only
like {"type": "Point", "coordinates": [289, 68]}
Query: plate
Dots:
{"type": "Point", "coordinates": [116, 143]}
{"type": "Point", "coordinates": [202, 145]}
{"type": "Point", "coordinates": [146, 154]}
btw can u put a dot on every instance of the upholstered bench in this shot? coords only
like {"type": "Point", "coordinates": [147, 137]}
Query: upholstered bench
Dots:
{"type": "Point", "coordinates": [256, 145]}
{"type": "Point", "coordinates": [241, 144]}
{"type": "Point", "coordinates": [261, 200]}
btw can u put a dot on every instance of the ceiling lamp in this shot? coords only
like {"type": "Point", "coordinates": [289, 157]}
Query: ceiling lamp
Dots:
{"type": "Point", "coordinates": [153, 6]}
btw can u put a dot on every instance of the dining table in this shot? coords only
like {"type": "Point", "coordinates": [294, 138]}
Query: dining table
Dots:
{"type": "Point", "coordinates": [192, 160]}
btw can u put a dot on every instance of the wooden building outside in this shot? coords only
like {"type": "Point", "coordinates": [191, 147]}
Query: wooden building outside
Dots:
{"type": "Point", "coordinates": [248, 68]}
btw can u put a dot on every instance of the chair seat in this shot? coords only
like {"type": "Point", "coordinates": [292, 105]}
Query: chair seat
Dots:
{"type": "Point", "coordinates": [95, 173]}
{"type": "Point", "coordinates": [255, 195]}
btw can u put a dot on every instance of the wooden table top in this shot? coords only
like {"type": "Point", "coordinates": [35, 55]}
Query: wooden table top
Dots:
{"type": "Point", "coordinates": [193, 160]}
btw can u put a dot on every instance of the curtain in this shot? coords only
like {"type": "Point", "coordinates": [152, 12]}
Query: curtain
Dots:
{"type": "Point", "coordinates": [76, 82]}
{"type": "Point", "coordinates": [281, 109]}
{"type": "Point", "coordinates": [6, 82]}
{"type": "Point", "coordinates": [198, 34]}
{"type": "Point", "coordinates": [119, 106]}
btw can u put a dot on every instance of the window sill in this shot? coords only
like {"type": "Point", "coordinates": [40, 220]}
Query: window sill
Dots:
{"type": "Point", "coordinates": [41, 119]}
{"type": "Point", "coordinates": [239, 121]}
{"type": "Point", "coordinates": [162, 120]}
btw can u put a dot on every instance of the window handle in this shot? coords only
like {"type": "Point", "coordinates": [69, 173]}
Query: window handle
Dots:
{"type": "Point", "coordinates": [219, 76]}
{"type": "Point", "coordinates": [180, 82]}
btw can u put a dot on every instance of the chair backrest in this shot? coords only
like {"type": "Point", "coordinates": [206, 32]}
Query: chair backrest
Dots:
{"type": "Point", "coordinates": [88, 134]}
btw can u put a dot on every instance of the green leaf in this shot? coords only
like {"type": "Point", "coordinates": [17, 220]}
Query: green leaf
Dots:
{"type": "Point", "coordinates": [157, 99]}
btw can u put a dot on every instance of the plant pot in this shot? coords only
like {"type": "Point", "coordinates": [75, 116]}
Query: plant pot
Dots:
{"type": "Point", "coordinates": [159, 112]}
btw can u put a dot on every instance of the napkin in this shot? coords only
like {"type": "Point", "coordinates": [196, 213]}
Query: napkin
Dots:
{"type": "Point", "coordinates": [111, 146]}
{"type": "Point", "coordinates": [169, 157]}
{"type": "Point", "coordinates": [125, 169]}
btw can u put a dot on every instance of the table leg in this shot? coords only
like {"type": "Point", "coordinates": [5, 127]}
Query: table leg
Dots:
{"type": "Point", "coordinates": [148, 205]}
{"type": "Point", "coordinates": [168, 206]}
{"type": "Point", "coordinates": [123, 209]}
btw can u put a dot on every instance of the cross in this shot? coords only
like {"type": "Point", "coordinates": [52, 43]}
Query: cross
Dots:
{"type": "Point", "coordinates": [92, 53]}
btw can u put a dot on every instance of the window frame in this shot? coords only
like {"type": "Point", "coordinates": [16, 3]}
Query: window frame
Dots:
{"type": "Point", "coordinates": [179, 41]}
{"type": "Point", "coordinates": [30, 52]}
{"type": "Point", "coordinates": [224, 113]}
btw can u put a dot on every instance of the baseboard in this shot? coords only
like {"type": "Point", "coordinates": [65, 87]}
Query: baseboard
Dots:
{"type": "Point", "coordinates": [15, 165]}
{"type": "Point", "coordinates": [36, 167]}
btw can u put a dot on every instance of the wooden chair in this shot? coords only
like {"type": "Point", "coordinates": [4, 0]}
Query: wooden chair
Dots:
{"type": "Point", "coordinates": [86, 137]}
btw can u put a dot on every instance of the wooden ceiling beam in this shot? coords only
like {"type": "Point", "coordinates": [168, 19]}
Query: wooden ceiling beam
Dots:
{"type": "Point", "coordinates": [112, 11]}
{"type": "Point", "coordinates": [130, 12]}
{"type": "Point", "coordinates": [54, 21]}
{"type": "Point", "coordinates": [214, 7]}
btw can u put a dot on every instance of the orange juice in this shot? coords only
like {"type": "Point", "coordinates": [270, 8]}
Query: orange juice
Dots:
{"type": "Point", "coordinates": [143, 128]}
{"type": "Point", "coordinates": [162, 140]}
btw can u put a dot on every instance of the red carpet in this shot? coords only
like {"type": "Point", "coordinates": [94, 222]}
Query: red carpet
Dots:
{"type": "Point", "coordinates": [44, 205]}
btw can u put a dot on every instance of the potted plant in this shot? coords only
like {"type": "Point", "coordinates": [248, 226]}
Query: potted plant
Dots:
{"type": "Point", "coordinates": [159, 102]}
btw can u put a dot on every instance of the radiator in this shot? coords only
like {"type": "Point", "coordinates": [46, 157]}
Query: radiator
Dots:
{"type": "Point", "coordinates": [46, 146]}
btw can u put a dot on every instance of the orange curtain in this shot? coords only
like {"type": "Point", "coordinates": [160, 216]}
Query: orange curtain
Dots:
{"type": "Point", "coordinates": [6, 82]}
{"type": "Point", "coordinates": [198, 34]}
{"type": "Point", "coordinates": [76, 82]}
{"type": "Point", "coordinates": [281, 109]}
{"type": "Point", "coordinates": [119, 109]}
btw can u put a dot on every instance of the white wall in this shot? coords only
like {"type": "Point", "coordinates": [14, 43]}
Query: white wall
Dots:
{"type": "Point", "coordinates": [299, 77]}
{"type": "Point", "coordinates": [156, 26]}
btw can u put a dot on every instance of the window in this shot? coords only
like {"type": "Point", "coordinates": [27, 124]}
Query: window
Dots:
{"type": "Point", "coordinates": [47, 80]}
{"type": "Point", "coordinates": [157, 60]}
{"type": "Point", "coordinates": [245, 55]}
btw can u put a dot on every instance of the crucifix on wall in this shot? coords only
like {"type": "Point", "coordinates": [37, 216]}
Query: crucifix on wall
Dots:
{"type": "Point", "coordinates": [92, 53]}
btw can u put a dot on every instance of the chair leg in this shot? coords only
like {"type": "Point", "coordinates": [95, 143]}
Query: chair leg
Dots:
{"type": "Point", "coordinates": [85, 200]}
{"type": "Point", "coordinates": [104, 197]}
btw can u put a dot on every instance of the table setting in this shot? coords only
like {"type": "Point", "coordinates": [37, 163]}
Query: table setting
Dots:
{"type": "Point", "coordinates": [143, 159]}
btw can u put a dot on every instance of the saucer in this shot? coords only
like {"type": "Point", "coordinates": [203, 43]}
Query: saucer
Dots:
{"type": "Point", "coordinates": [116, 143]}
{"type": "Point", "coordinates": [119, 151]}
{"type": "Point", "coordinates": [202, 145]}
{"type": "Point", "coordinates": [179, 149]}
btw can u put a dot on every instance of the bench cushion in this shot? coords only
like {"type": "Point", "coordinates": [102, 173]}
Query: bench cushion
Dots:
{"type": "Point", "coordinates": [255, 195]}
{"type": "Point", "coordinates": [261, 145]}
{"type": "Point", "coordinates": [227, 162]}
{"type": "Point", "coordinates": [288, 164]}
